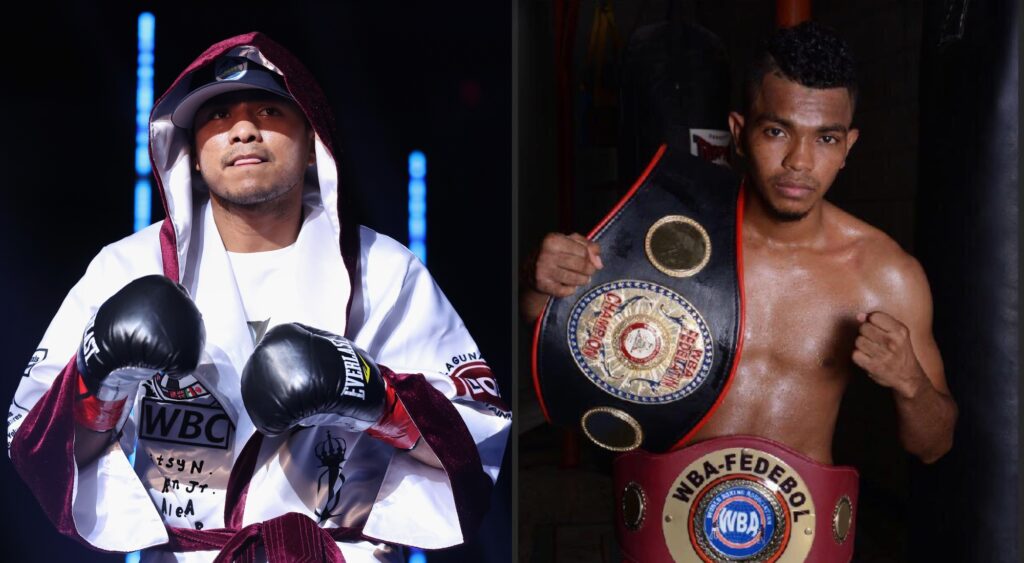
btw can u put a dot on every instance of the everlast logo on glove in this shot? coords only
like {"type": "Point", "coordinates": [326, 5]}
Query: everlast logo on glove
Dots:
{"type": "Point", "coordinates": [357, 373]}
{"type": "Point", "coordinates": [354, 376]}
{"type": "Point", "coordinates": [89, 347]}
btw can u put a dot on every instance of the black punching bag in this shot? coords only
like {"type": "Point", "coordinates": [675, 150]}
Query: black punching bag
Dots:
{"type": "Point", "coordinates": [965, 508]}
{"type": "Point", "coordinates": [674, 89]}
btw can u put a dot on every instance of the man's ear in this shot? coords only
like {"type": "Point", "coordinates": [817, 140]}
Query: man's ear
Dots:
{"type": "Point", "coordinates": [851, 137]}
{"type": "Point", "coordinates": [736, 122]}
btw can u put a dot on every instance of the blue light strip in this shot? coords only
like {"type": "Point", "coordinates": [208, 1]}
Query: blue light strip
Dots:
{"type": "Point", "coordinates": [418, 244]}
{"type": "Point", "coordinates": [143, 169]}
{"type": "Point", "coordinates": [418, 206]}
{"type": "Point", "coordinates": [143, 105]}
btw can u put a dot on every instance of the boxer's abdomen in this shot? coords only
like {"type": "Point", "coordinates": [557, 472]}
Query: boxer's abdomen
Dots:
{"type": "Point", "coordinates": [792, 404]}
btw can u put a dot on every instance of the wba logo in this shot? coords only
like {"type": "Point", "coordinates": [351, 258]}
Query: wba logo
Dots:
{"type": "Point", "coordinates": [739, 521]}
{"type": "Point", "coordinates": [739, 504]}
{"type": "Point", "coordinates": [182, 423]}
{"type": "Point", "coordinates": [739, 524]}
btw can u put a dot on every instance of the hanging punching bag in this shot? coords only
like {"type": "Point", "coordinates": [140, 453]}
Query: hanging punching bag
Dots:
{"type": "Point", "coordinates": [965, 508]}
{"type": "Point", "coordinates": [674, 90]}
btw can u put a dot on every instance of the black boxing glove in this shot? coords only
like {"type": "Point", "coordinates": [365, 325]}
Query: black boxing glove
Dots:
{"type": "Point", "coordinates": [150, 325]}
{"type": "Point", "coordinates": [299, 375]}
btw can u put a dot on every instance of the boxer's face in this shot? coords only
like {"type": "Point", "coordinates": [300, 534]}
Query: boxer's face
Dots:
{"type": "Point", "coordinates": [252, 147]}
{"type": "Point", "coordinates": [795, 140]}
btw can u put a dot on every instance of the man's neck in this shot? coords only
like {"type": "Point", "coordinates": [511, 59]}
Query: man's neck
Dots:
{"type": "Point", "coordinates": [763, 222]}
{"type": "Point", "coordinates": [257, 228]}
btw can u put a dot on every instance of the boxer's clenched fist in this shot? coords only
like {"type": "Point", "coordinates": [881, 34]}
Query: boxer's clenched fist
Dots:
{"type": "Point", "coordinates": [303, 376]}
{"type": "Point", "coordinates": [151, 325]}
{"type": "Point", "coordinates": [564, 263]}
{"type": "Point", "coordinates": [883, 349]}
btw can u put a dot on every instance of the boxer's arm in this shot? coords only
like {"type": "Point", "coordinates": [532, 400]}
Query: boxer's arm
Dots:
{"type": "Point", "coordinates": [411, 327]}
{"type": "Point", "coordinates": [150, 325]}
{"type": "Point", "coordinates": [101, 503]}
{"type": "Point", "coordinates": [563, 263]}
{"type": "Point", "coordinates": [898, 350]}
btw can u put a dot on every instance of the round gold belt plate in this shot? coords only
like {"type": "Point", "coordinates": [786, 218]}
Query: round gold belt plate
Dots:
{"type": "Point", "coordinates": [640, 341]}
{"type": "Point", "coordinates": [678, 246]}
{"type": "Point", "coordinates": [612, 429]}
{"type": "Point", "coordinates": [739, 504]}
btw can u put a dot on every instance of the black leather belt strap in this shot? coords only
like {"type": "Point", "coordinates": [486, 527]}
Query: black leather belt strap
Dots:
{"type": "Point", "coordinates": [642, 354]}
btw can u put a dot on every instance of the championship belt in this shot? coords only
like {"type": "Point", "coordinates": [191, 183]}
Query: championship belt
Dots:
{"type": "Point", "coordinates": [642, 354]}
{"type": "Point", "coordinates": [738, 498]}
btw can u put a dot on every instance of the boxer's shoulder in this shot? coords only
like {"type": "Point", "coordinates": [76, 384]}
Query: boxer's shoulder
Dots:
{"type": "Point", "coordinates": [387, 262]}
{"type": "Point", "coordinates": [122, 261]}
{"type": "Point", "coordinates": [383, 251]}
{"type": "Point", "coordinates": [872, 246]}
{"type": "Point", "coordinates": [386, 266]}
{"type": "Point", "coordinates": [143, 247]}
{"type": "Point", "coordinates": [889, 273]}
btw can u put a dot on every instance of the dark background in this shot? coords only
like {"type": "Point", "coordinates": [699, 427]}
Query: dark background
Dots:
{"type": "Point", "coordinates": [399, 77]}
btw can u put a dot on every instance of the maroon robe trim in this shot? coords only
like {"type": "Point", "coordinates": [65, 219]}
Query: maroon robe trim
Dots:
{"type": "Point", "coordinates": [445, 432]}
{"type": "Point", "coordinates": [43, 451]}
{"type": "Point", "coordinates": [286, 538]}
{"type": "Point", "coordinates": [43, 454]}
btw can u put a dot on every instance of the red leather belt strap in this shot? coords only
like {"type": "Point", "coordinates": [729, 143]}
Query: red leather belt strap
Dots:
{"type": "Point", "coordinates": [676, 506]}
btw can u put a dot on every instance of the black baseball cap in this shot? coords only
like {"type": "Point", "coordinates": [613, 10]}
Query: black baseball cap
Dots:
{"type": "Point", "coordinates": [226, 74]}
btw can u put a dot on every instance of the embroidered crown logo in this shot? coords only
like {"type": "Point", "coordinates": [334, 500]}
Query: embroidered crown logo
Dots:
{"type": "Point", "coordinates": [331, 453]}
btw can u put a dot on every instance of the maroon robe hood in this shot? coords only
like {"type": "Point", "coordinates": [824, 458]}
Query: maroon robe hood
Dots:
{"type": "Point", "coordinates": [170, 155]}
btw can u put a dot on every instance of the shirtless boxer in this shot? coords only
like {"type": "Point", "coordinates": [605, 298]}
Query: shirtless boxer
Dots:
{"type": "Point", "coordinates": [825, 292]}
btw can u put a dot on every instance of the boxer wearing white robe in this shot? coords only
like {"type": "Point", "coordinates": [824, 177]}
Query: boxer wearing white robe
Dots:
{"type": "Point", "coordinates": [187, 435]}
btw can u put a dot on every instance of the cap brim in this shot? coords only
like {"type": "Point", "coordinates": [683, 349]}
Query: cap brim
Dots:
{"type": "Point", "coordinates": [184, 114]}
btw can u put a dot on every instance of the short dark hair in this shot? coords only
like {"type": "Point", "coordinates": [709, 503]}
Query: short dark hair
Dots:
{"type": "Point", "coordinates": [809, 54]}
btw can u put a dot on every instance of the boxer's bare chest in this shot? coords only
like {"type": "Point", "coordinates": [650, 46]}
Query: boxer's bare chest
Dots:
{"type": "Point", "coordinates": [799, 328]}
